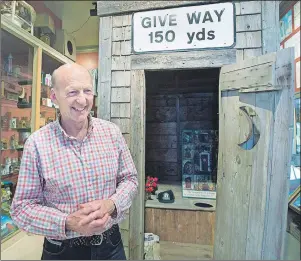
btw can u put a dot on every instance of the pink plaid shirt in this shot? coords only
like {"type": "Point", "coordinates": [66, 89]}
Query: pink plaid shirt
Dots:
{"type": "Point", "coordinates": [58, 173]}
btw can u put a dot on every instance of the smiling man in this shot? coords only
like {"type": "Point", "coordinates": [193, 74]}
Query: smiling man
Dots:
{"type": "Point", "coordinates": [77, 177]}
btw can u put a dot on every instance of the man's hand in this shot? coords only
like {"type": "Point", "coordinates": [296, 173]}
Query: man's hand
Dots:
{"type": "Point", "coordinates": [97, 210]}
{"type": "Point", "coordinates": [74, 222]}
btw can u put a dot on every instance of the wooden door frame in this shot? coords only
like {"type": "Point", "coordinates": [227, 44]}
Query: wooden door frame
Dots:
{"type": "Point", "coordinates": [137, 146]}
{"type": "Point", "coordinates": [140, 64]}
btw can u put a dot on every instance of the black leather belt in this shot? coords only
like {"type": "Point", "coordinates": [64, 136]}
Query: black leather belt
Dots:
{"type": "Point", "coordinates": [95, 240]}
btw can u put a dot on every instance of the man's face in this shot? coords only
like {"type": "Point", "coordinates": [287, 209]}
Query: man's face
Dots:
{"type": "Point", "coordinates": [73, 93]}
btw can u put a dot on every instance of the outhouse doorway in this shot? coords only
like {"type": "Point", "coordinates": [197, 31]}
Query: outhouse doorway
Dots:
{"type": "Point", "coordinates": [181, 148]}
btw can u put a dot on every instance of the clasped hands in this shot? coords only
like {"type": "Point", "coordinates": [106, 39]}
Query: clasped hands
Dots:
{"type": "Point", "coordinates": [91, 218]}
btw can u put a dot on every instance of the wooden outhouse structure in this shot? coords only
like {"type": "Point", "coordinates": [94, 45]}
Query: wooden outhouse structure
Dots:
{"type": "Point", "coordinates": [169, 70]}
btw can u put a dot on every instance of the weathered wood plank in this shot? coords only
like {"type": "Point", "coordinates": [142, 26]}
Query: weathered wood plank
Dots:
{"type": "Point", "coordinates": [184, 251]}
{"type": "Point", "coordinates": [166, 155]}
{"type": "Point", "coordinates": [121, 78]}
{"type": "Point", "coordinates": [247, 23]}
{"type": "Point", "coordinates": [257, 201]}
{"type": "Point", "coordinates": [121, 33]}
{"type": "Point", "coordinates": [207, 125]}
{"type": "Point", "coordinates": [122, 20]}
{"type": "Point", "coordinates": [136, 245]}
{"type": "Point", "coordinates": [248, 53]}
{"type": "Point", "coordinates": [196, 99]}
{"type": "Point", "coordinates": [260, 207]}
{"type": "Point", "coordinates": [169, 128]}
{"type": "Point", "coordinates": [248, 77]}
{"type": "Point", "coordinates": [116, 48]}
{"type": "Point", "coordinates": [122, 110]}
{"type": "Point", "coordinates": [118, 34]}
{"type": "Point", "coordinates": [281, 148]}
{"type": "Point", "coordinates": [263, 59]}
{"type": "Point", "coordinates": [226, 190]}
{"type": "Point", "coordinates": [248, 7]}
{"type": "Point", "coordinates": [180, 225]}
{"type": "Point", "coordinates": [125, 237]}
{"type": "Point", "coordinates": [160, 100]}
{"type": "Point", "coordinates": [125, 224]}
{"type": "Point", "coordinates": [197, 112]}
{"type": "Point", "coordinates": [123, 124]}
{"type": "Point", "coordinates": [126, 48]}
{"type": "Point", "coordinates": [127, 20]}
{"type": "Point", "coordinates": [117, 21]}
{"type": "Point", "coordinates": [161, 141]}
{"type": "Point", "coordinates": [239, 55]}
{"type": "Point", "coordinates": [161, 114]}
{"type": "Point", "coordinates": [127, 33]}
{"type": "Point", "coordinates": [127, 254]}
{"type": "Point", "coordinates": [104, 79]}
{"type": "Point", "coordinates": [121, 63]}
{"type": "Point", "coordinates": [127, 138]}
{"type": "Point", "coordinates": [178, 60]}
{"type": "Point", "coordinates": [248, 40]}
{"type": "Point", "coordinates": [270, 26]}
{"type": "Point", "coordinates": [161, 169]}
{"type": "Point", "coordinates": [121, 94]}
{"type": "Point", "coordinates": [105, 8]}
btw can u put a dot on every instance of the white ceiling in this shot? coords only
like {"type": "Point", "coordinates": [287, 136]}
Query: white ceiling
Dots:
{"type": "Point", "coordinates": [73, 15]}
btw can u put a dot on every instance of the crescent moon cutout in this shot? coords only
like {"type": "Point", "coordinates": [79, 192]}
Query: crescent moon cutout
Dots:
{"type": "Point", "coordinates": [252, 136]}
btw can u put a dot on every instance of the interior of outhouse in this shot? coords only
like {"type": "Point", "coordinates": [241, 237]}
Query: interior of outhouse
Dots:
{"type": "Point", "coordinates": [181, 151]}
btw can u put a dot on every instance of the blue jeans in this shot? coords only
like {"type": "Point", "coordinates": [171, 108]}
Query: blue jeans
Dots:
{"type": "Point", "coordinates": [110, 249]}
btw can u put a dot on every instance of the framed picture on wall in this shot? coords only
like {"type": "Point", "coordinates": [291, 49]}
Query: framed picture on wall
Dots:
{"type": "Point", "coordinates": [294, 201]}
{"type": "Point", "coordinates": [199, 162]}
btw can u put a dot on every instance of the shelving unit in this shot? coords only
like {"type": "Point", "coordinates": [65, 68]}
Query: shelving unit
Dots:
{"type": "Point", "coordinates": [25, 103]}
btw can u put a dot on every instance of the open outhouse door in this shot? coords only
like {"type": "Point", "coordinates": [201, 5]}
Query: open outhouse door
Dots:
{"type": "Point", "coordinates": [255, 128]}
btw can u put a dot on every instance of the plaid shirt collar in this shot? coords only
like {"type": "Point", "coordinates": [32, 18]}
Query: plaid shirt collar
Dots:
{"type": "Point", "coordinates": [60, 128]}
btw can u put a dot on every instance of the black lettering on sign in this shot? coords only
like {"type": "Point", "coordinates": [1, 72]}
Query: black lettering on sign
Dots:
{"type": "Point", "coordinates": [211, 35]}
{"type": "Point", "coordinates": [190, 37]}
{"type": "Point", "coordinates": [196, 17]}
{"type": "Point", "coordinates": [200, 36]}
{"type": "Point", "coordinates": [172, 20]}
{"type": "Point", "coordinates": [207, 17]}
{"type": "Point", "coordinates": [169, 36]}
{"type": "Point", "coordinates": [148, 22]}
{"type": "Point", "coordinates": [193, 18]}
{"type": "Point", "coordinates": [219, 15]}
{"type": "Point", "coordinates": [162, 22]}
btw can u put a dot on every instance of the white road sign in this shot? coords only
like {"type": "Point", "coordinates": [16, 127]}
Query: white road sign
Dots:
{"type": "Point", "coordinates": [184, 28]}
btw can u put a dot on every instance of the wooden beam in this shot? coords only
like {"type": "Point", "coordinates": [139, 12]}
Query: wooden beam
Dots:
{"type": "Point", "coordinates": [181, 60]}
{"type": "Point", "coordinates": [105, 63]}
{"type": "Point", "coordinates": [106, 8]}
{"type": "Point", "coordinates": [270, 26]}
{"type": "Point", "coordinates": [136, 244]}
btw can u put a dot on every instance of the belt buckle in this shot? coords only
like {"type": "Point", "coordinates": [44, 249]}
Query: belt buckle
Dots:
{"type": "Point", "coordinates": [97, 244]}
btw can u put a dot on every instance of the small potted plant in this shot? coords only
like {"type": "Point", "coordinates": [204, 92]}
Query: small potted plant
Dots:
{"type": "Point", "coordinates": [150, 186]}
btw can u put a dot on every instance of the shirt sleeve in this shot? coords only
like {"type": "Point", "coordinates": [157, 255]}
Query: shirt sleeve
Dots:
{"type": "Point", "coordinates": [127, 181]}
{"type": "Point", "coordinates": [27, 209]}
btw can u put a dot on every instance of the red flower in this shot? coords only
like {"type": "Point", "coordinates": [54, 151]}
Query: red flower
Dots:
{"type": "Point", "coordinates": [150, 184]}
